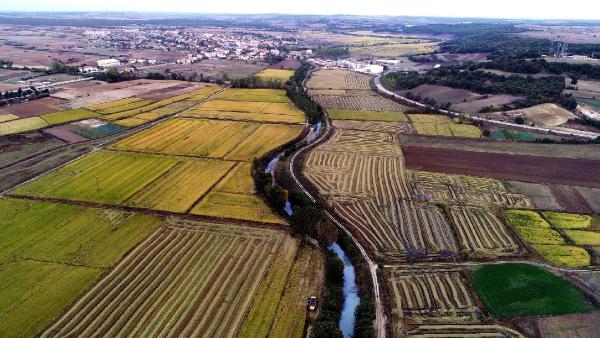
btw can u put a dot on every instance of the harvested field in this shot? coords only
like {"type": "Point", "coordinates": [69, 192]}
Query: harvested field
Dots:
{"type": "Point", "coordinates": [253, 95]}
{"type": "Point", "coordinates": [366, 115]}
{"type": "Point", "coordinates": [536, 169]}
{"type": "Point", "coordinates": [430, 296]}
{"type": "Point", "coordinates": [34, 108]}
{"type": "Point", "coordinates": [18, 147]}
{"type": "Point", "coordinates": [399, 230]}
{"type": "Point", "coordinates": [481, 234]}
{"type": "Point", "coordinates": [52, 253]}
{"type": "Point", "coordinates": [493, 100]}
{"type": "Point", "coordinates": [540, 195]}
{"type": "Point", "coordinates": [476, 330]}
{"type": "Point", "coordinates": [374, 126]}
{"type": "Point", "coordinates": [375, 103]}
{"type": "Point", "coordinates": [506, 290]}
{"type": "Point", "coordinates": [463, 190]}
{"type": "Point", "coordinates": [339, 79]}
{"type": "Point", "coordinates": [192, 137]}
{"type": "Point", "coordinates": [187, 279]}
{"type": "Point", "coordinates": [236, 206]}
{"type": "Point", "coordinates": [341, 92]}
{"type": "Point", "coordinates": [275, 74]}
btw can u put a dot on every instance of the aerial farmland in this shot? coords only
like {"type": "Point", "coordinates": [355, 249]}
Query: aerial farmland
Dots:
{"type": "Point", "coordinates": [174, 238]}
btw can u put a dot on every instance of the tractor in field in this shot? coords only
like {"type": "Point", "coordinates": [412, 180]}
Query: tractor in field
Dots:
{"type": "Point", "coordinates": [312, 303]}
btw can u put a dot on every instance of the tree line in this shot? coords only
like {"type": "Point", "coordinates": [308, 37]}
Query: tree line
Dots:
{"type": "Point", "coordinates": [535, 90]}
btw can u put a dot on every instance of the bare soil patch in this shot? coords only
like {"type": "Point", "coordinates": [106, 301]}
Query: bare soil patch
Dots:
{"type": "Point", "coordinates": [443, 94]}
{"type": "Point", "coordinates": [477, 105]}
{"type": "Point", "coordinates": [34, 108]}
{"type": "Point", "coordinates": [64, 134]}
{"type": "Point", "coordinates": [570, 199]}
{"type": "Point", "coordinates": [290, 64]}
{"type": "Point", "coordinates": [536, 169]}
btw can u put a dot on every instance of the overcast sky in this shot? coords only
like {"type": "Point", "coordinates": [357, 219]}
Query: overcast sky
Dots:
{"type": "Point", "coordinates": [537, 9]}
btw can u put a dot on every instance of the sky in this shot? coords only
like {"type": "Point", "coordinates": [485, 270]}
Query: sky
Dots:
{"type": "Point", "coordinates": [534, 9]}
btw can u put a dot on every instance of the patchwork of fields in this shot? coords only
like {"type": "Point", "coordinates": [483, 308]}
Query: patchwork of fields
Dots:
{"type": "Point", "coordinates": [405, 216]}
{"type": "Point", "coordinates": [93, 235]}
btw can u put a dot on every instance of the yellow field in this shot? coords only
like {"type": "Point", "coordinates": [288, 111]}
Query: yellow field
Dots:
{"type": "Point", "coordinates": [8, 117]}
{"type": "Point", "coordinates": [238, 116]}
{"type": "Point", "coordinates": [183, 185]}
{"type": "Point", "coordinates": [22, 125]}
{"type": "Point", "coordinates": [440, 125]}
{"type": "Point", "coordinates": [205, 138]}
{"type": "Point", "coordinates": [236, 206]}
{"type": "Point", "coordinates": [250, 95]}
{"type": "Point", "coordinates": [564, 255]}
{"type": "Point", "coordinates": [264, 139]}
{"type": "Point", "coordinates": [238, 181]}
{"type": "Point", "coordinates": [113, 104]}
{"type": "Point", "coordinates": [275, 74]}
{"type": "Point", "coordinates": [126, 104]}
{"type": "Point", "coordinates": [238, 106]}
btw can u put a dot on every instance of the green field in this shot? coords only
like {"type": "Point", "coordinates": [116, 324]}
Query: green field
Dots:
{"type": "Point", "coordinates": [367, 115]}
{"type": "Point", "coordinates": [22, 125]}
{"type": "Point", "coordinates": [67, 116]}
{"type": "Point", "coordinates": [564, 255]}
{"type": "Point", "coordinates": [275, 74]}
{"type": "Point", "coordinates": [584, 237]}
{"type": "Point", "coordinates": [539, 235]}
{"type": "Point", "coordinates": [103, 177]}
{"type": "Point", "coordinates": [516, 290]}
{"type": "Point", "coordinates": [525, 218]}
{"type": "Point", "coordinates": [50, 253]}
{"type": "Point", "coordinates": [568, 221]}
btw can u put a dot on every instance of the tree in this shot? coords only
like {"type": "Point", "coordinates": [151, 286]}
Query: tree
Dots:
{"type": "Point", "coordinates": [519, 120]}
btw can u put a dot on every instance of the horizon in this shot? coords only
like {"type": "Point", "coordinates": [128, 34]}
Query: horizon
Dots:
{"type": "Point", "coordinates": [460, 9]}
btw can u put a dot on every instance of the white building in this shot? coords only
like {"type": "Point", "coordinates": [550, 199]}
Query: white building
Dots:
{"type": "Point", "coordinates": [106, 63]}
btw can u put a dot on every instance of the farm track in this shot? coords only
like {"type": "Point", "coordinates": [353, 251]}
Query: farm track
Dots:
{"type": "Point", "coordinates": [160, 287]}
{"type": "Point", "coordinates": [380, 317]}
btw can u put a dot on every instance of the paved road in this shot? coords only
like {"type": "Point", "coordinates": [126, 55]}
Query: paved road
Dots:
{"type": "Point", "coordinates": [580, 134]}
{"type": "Point", "coordinates": [380, 318]}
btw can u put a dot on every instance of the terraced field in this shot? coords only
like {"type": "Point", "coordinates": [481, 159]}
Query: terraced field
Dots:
{"type": "Point", "coordinates": [482, 234]}
{"type": "Point", "coordinates": [168, 284]}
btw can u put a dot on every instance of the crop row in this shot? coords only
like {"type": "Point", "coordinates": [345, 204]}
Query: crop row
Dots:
{"type": "Point", "coordinates": [333, 79]}
{"type": "Point", "coordinates": [375, 103]}
{"type": "Point", "coordinates": [460, 189]}
{"type": "Point", "coordinates": [192, 281]}
{"type": "Point", "coordinates": [432, 296]}
{"type": "Point", "coordinates": [481, 233]}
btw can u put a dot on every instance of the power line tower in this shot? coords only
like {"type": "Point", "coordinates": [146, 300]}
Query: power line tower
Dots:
{"type": "Point", "coordinates": [560, 47]}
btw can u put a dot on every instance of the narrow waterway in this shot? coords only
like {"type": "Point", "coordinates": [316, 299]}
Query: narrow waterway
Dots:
{"type": "Point", "coordinates": [350, 292]}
